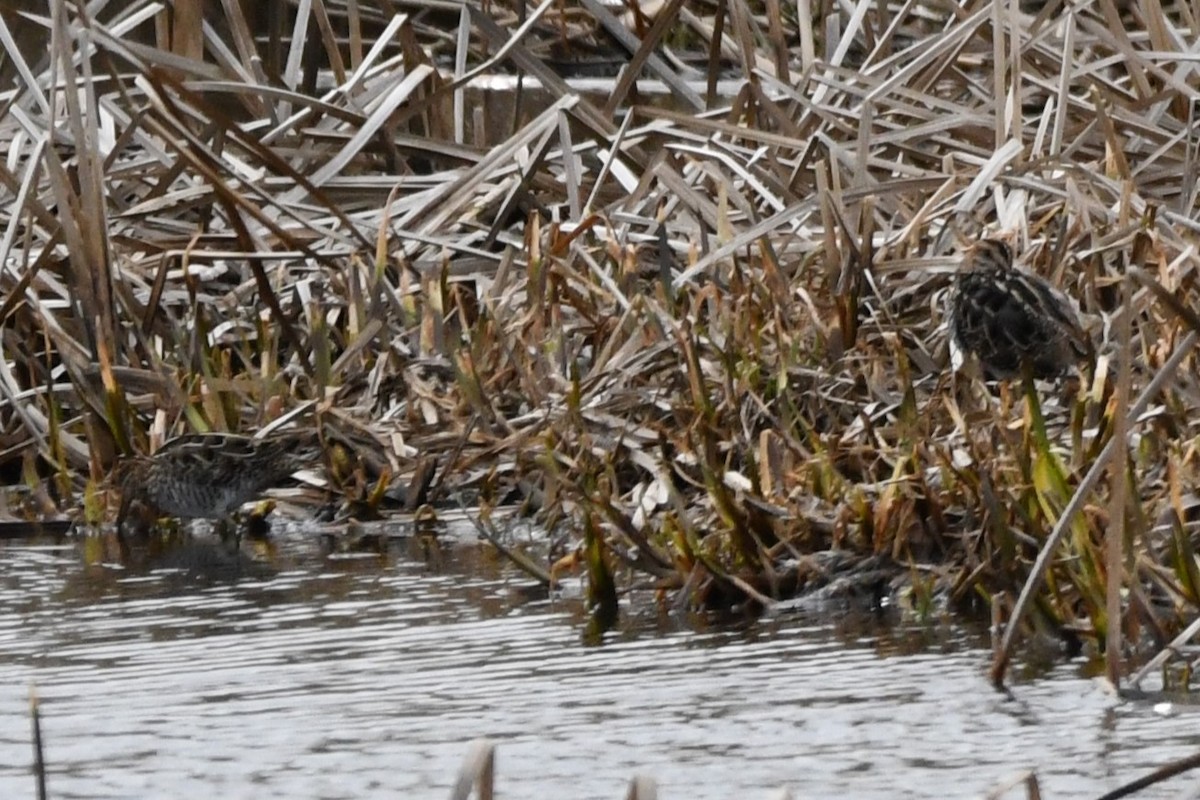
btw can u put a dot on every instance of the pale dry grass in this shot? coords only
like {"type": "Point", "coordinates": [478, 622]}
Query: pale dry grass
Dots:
{"type": "Point", "coordinates": [702, 328]}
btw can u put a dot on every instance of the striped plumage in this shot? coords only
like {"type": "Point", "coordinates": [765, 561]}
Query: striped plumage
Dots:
{"type": "Point", "coordinates": [209, 475]}
{"type": "Point", "coordinates": [1008, 318]}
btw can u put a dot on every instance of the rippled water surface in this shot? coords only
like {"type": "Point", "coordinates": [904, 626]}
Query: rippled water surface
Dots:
{"type": "Point", "coordinates": [303, 676]}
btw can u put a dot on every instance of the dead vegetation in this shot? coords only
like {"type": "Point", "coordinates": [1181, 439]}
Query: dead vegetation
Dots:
{"type": "Point", "coordinates": [691, 312]}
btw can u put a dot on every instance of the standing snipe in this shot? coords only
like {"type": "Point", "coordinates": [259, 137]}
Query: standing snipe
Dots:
{"type": "Point", "coordinates": [209, 475]}
{"type": "Point", "coordinates": [1011, 320]}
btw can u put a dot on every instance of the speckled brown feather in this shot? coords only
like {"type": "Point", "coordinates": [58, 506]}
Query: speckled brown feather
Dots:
{"type": "Point", "coordinates": [1008, 318]}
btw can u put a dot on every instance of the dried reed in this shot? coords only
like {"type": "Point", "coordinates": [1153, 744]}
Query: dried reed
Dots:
{"type": "Point", "coordinates": [701, 330]}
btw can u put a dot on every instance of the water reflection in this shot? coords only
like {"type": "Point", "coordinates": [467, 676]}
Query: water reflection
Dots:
{"type": "Point", "coordinates": [288, 673]}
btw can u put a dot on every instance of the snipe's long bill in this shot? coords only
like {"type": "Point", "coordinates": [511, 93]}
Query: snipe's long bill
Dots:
{"type": "Point", "coordinates": [209, 475]}
{"type": "Point", "coordinates": [1012, 320]}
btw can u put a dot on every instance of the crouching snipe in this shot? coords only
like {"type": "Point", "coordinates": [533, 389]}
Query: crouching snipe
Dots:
{"type": "Point", "coordinates": [208, 475]}
{"type": "Point", "coordinates": [1012, 321]}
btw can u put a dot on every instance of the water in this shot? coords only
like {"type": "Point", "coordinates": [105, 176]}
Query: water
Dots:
{"type": "Point", "coordinates": [368, 677]}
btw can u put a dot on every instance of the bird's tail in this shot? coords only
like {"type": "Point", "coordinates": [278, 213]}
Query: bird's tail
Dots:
{"type": "Point", "coordinates": [293, 450]}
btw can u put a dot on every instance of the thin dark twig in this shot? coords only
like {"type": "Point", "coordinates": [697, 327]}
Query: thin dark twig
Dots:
{"type": "Point", "coordinates": [1157, 776]}
{"type": "Point", "coordinates": [39, 757]}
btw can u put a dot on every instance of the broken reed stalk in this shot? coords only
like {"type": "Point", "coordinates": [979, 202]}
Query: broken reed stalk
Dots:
{"type": "Point", "coordinates": [1119, 492]}
{"type": "Point", "coordinates": [39, 755]}
{"type": "Point", "coordinates": [1033, 583]}
{"type": "Point", "coordinates": [1027, 779]}
{"type": "Point", "coordinates": [1166, 654]}
{"type": "Point", "coordinates": [1157, 776]}
{"type": "Point", "coordinates": [642, 787]}
{"type": "Point", "coordinates": [477, 772]}
{"type": "Point", "coordinates": [483, 524]}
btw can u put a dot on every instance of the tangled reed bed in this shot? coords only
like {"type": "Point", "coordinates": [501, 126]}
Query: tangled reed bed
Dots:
{"type": "Point", "coordinates": [702, 331]}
